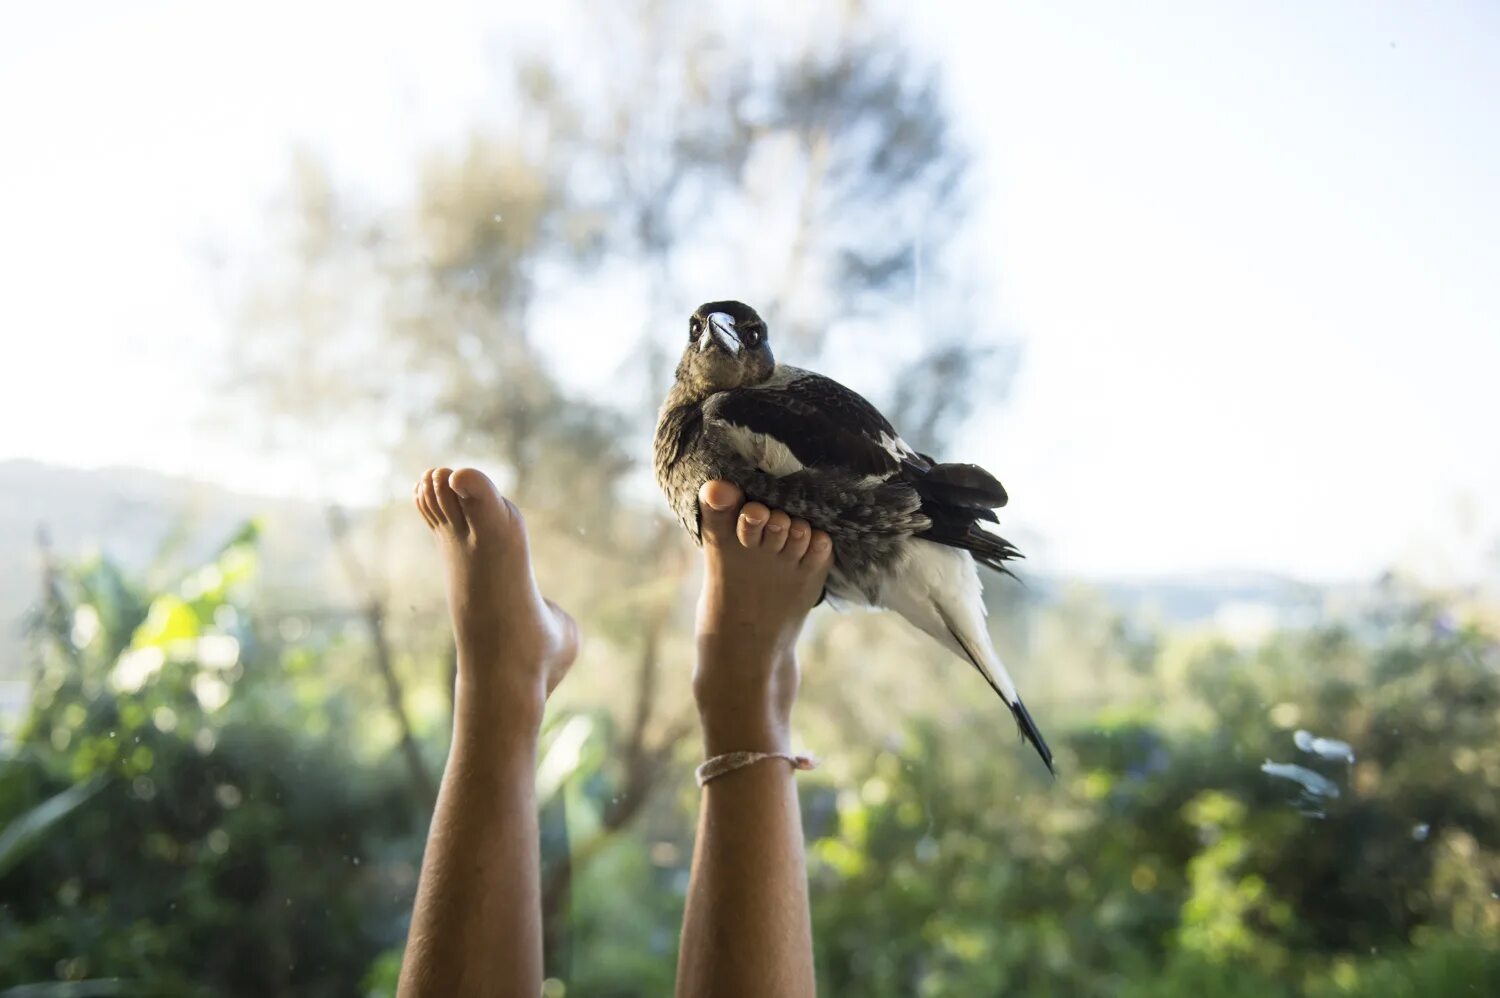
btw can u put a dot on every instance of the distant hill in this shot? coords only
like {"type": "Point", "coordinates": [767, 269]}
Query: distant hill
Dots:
{"type": "Point", "coordinates": [149, 522]}
{"type": "Point", "coordinates": [146, 522]}
{"type": "Point", "coordinates": [1239, 602]}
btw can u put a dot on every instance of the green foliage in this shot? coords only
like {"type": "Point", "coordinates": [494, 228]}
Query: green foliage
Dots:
{"type": "Point", "coordinates": [186, 811]}
{"type": "Point", "coordinates": [626, 912]}
{"type": "Point", "coordinates": [163, 827]}
{"type": "Point", "coordinates": [1164, 850]}
{"type": "Point", "coordinates": [24, 832]}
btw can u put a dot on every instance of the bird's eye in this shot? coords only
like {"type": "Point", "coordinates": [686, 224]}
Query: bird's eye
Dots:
{"type": "Point", "coordinates": [695, 329]}
{"type": "Point", "coordinates": [752, 337]}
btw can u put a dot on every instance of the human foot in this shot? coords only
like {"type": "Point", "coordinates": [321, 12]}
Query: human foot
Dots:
{"type": "Point", "coordinates": [514, 646]}
{"type": "Point", "coordinates": [764, 571]}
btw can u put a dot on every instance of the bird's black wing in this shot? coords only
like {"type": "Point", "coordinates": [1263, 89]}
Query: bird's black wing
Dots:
{"type": "Point", "coordinates": [824, 425]}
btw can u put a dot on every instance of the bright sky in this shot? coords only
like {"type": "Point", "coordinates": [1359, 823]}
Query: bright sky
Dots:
{"type": "Point", "coordinates": [1249, 250]}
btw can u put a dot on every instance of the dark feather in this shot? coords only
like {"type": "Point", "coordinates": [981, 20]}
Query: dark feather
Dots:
{"type": "Point", "coordinates": [1031, 733]}
{"type": "Point", "coordinates": [989, 550]}
{"type": "Point", "coordinates": [959, 527]}
{"type": "Point", "coordinates": [962, 485]}
{"type": "Point", "coordinates": [824, 429]}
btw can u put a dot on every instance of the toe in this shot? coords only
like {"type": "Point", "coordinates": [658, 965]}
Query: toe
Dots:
{"type": "Point", "coordinates": [752, 521]}
{"type": "Point", "coordinates": [775, 535]}
{"type": "Point", "coordinates": [416, 498]}
{"type": "Point", "coordinates": [798, 536]}
{"type": "Point", "coordinates": [819, 551]}
{"type": "Point", "coordinates": [719, 506]}
{"type": "Point", "coordinates": [429, 497]}
{"type": "Point", "coordinates": [485, 510]}
{"type": "Point", "coordinates": [453, 510]}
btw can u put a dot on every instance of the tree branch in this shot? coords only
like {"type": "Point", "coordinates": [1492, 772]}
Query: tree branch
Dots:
{"type": "Point", "coordinates": [643, 763]}
{"type": "Point", "coordinates": [373, 612]}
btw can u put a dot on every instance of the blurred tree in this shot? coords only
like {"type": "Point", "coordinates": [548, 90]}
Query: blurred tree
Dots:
{"type": "Point", "coordinates": [192, 808]}
{"type": "Point", "coordinates": [1166, 857]}
{"type": "Point", "coordinates": [824, 174]}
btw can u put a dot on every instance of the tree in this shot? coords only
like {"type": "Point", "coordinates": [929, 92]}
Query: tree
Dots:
{"type": "Point", "coordinates": [823, 177]}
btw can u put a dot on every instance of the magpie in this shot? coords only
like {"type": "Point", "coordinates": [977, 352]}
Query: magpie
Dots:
{"type": "Point", "coordinates": [906, 529]}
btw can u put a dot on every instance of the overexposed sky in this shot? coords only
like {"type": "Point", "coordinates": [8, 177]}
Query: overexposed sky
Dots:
{"type": "Point", "coordinates": [1248, 248]}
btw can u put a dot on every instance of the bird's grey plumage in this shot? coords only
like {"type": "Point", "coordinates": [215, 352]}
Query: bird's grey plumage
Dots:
{"type": "Point", "coordinates": [906, 529]}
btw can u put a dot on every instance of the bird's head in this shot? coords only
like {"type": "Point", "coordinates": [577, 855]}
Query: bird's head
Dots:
{"type": "Point", "coordinates": [727, 348]}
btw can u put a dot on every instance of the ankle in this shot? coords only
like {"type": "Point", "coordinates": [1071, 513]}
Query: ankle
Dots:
{"type": "Point", "coordinates": [744, 731]}
{"type": "Point", "coordinates": [499, 700]}
{"type": "Point", "coordinates": [745, 700]}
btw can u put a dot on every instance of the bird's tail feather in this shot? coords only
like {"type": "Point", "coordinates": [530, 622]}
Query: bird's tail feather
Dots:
{"type": "Point", "coordinates": [965, 485]}
{"type": "Point", "coordinates": [1029, 731]}
{"type": "Point", "coordinates": [959, 527]}
{"type": "Point", "coordinates": [990, 550]}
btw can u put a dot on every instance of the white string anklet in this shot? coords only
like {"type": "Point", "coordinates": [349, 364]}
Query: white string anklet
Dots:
{"type": "Point", "coordinates": [716, 767]}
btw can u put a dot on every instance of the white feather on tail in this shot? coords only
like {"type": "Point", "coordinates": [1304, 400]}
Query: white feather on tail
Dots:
{"type": "Point", "coordinates": [937, 590]}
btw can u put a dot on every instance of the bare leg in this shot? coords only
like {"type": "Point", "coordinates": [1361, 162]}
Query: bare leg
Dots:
{"type": "Point", "coordinates": [476, 928]}
{"type": "Point", "coordinates": [747, 929]}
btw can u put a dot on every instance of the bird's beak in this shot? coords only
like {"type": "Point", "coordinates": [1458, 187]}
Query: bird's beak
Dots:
{"type": "Point", "coordinates": [721, 331]}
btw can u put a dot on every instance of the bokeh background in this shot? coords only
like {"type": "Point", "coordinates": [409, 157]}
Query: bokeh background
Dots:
{"type": "Point", "coordinates": [1210, 287]}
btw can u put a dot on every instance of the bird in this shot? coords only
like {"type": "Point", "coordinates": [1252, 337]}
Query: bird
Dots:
{"type": "Point", "coordinates": [907, 530]}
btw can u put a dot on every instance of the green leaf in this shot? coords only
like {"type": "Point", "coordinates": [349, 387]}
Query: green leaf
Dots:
{"type": "Point", "coordinates": [565, 756]}
{"type": "Point", "coordinates": [20, 835]}
{"type": "Point", "coordinates": [170, 620]}
{"type": "Point", "coordinates": [99, 988]}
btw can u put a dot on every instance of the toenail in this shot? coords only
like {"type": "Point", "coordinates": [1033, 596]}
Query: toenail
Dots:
{"type": "Point", "coordinates": [776, 527]}
{"type": "Point", "coordinates": [798, 533]}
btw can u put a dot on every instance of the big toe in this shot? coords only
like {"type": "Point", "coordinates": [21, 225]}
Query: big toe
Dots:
{"type": "Point", "coordinates": [719, 505]}
{"type": "Point", "coordinates": [488, 512]}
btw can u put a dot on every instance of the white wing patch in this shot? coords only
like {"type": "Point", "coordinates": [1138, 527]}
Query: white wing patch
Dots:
{"type": "Point", "coordinates": [897, 448]}
{"type": "Point", "coordinates": [783, 375]}
{"type": "Point", "coordinates": [762, 450]}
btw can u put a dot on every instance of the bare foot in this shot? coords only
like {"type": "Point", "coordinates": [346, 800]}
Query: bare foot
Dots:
{"type": "Point", "coordinates": [512, 643]}
{"type": "Point", "coordinates": [764, 572]}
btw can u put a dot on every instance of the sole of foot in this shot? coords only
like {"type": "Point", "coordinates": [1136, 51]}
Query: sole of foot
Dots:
{"type": "Point", "coordinates": [505, 629]}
